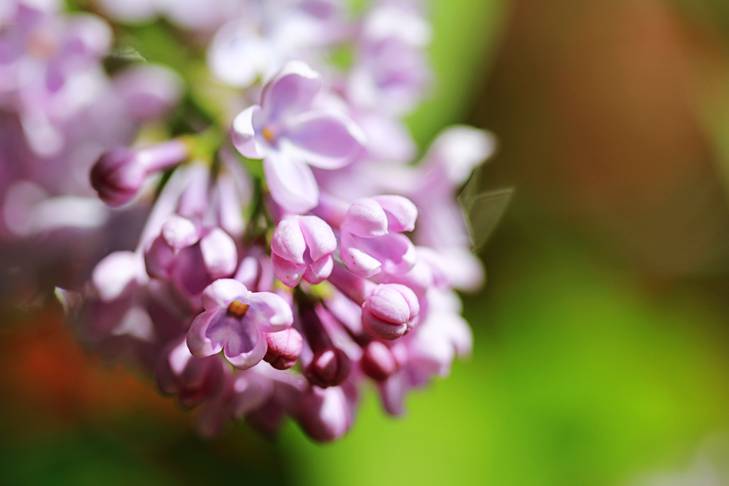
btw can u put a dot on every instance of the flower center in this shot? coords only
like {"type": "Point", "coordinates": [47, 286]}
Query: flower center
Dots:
{"type": "Point", "coordinates": [269, 135]}
{"type": "Point", "coordinates": [238, 308]}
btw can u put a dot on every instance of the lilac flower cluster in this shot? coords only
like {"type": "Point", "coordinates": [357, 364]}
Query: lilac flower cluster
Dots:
{"type": "Point", "coordinates": [59, 110]}
{"type": "Point", "coordinates": [295, 251]}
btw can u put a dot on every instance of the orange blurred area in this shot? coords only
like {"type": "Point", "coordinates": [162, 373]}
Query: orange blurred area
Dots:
{"type": "Point", "coordinates": [52, 378]}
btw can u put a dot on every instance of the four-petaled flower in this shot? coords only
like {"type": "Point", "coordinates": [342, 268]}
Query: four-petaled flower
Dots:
{"type": "Point", "coordinates": [290, 131]}
{"type": "Point", "coordinates": [235, 320]}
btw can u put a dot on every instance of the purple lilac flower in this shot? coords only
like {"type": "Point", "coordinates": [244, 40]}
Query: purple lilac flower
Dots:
{"type": "Point", "coordinates": [235, 320]}
{"type": "Point", "coordinates": [290, 133]}
{"type": "Point", "coordinates": [277, 289]}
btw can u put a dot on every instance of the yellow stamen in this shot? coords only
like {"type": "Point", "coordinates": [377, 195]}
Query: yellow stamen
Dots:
{"type": "Point", "coordinates": [268, 135]}
{"type": "Point", "coordinates": [238, 308]}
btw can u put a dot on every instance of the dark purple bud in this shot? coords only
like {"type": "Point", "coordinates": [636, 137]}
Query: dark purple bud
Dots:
{"type": "Point", "coordinates": [328, 368]}
{"type": "Point", "coordinates": [118, 175]}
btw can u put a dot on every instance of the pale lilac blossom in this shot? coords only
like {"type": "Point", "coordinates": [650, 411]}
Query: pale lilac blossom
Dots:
{"type": "Point", "coordinates": [290, 133]}
{"type": "Point", "coordinates": [235, 320]}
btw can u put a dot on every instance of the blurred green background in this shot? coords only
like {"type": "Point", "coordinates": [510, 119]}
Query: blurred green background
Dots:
{"type": "Point", "coordinates": [601, 351]}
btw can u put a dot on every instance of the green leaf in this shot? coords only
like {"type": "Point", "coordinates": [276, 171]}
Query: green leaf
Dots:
{"type": "Point", "coordinates": [484, 211]}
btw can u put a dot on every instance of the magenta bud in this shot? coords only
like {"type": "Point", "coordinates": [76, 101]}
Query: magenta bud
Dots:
{"type": "Point", "coordinates": [328, 368]}
{"type": "Point", "coordinates": [378, 362]}
{"type": "Point", "coordinates": [284, 348]}
{"type": "Point", "coordinates": [117, 176]}
{"type": "Point", "coordinates": [389, 311]}
{"type": "Point", "coordinates": [158, 258]}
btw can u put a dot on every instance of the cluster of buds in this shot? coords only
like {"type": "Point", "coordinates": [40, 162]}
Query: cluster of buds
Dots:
{"type": "Point", "coordinates": [294, 249]}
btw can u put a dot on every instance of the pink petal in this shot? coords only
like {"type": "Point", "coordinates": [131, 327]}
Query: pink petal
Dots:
{"type": "Point", "coordinates": [463, 270]}
{"type": "Point", "coordinates": [230, 200]}
{"type": "Point", "coordinates": [241, 355]}
{"type": "Point", "coordinates": [222, 292]}
{"type": "Point", "coordinates": [395, 251]}
{"type": "Point", "coordinates": [243, 134]}
{"type": "Point", "coordinates": [291, 182]}
{"type": "Point", "coordinates": [360, 262]}
{"type": "Point", "coordinates": [115, 273]}
{"type": "Point", "coordinates": [287, 271]}
{"type": "Point", "coordinates": [288, 240]}
{"type": "Point", "coordinates": [180, 232]}
{"type": "Point", "coordinates": [219, 253]}
{"type": "Point", "coordinates": [269, 311]}
{"type": "Point", "coordinates": [319, 270]}
{"type": "Point", "coordinates": [324, 140]}
{"type": "Point", "coordinates": [366, 218]}
{"type": "Point", "coordinates": [319, 236]}
{"type": "Point", "coordinates": [251, 392]}
{"type": "Point", "coordinates": [197, 340]}
{"type": "Point", "coordinates": [292, 90]}
{"type": "Point", "coordinates": [401, 212]}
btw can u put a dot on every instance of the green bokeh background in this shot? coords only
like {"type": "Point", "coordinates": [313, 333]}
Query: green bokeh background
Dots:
{"type": "Point", "coordinates": [589, 368]}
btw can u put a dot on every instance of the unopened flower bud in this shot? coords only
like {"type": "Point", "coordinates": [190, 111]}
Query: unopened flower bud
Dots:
{"type": "Point", "coordinates": [378, 362]}
{"type": "Point", "coordinates": [379, 215]}
{"type": "Point", "coordinates": [389, 311]}
{"type": "Point", "coordinates": [118, 175]}
{"type": "Point", "coordinates": [284, 348]}
{"type": "Point", "coordinates": [302, 247]}
{"type": "Point", "coordinates": [328, 368]}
